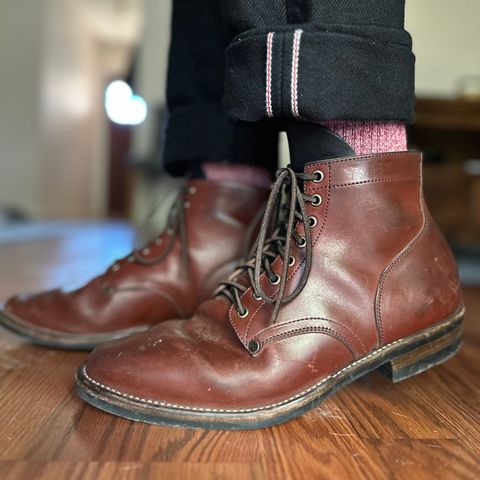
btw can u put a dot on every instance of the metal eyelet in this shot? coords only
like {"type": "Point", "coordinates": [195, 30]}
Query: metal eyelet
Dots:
{"type": "Point", "coordinates": [317, 200]}
{"type": "Point", "coordinates": [291, 261]}
{"type": "Point", "coordinates": [158, 241]}
{"type": "Point", "coordinates": [244, 313]}
{"type": "Point", "coordinates": [256, 297]}
{"type": "Point", "coordinates": [170, 231]}
{"type": "Point", "coordinates": [146, 251]}
{"type": "Point", "coordinates": [312, 221]}
{"type": "Point", "coordinates": [318, 176]}
{"type": "Point", "coordinates": [187, 204]}
{"type": "Point", "coordinates": [116, 267]}
{"type": "Point", "coordinates": [254, 346]}
{"type": "Point", "coordinates": [276, 281]}
{"type": "Point", "coordinates": [192, 190]}
{"type": "Point", "coordinates": [302, 242]}
{"type": "Point", "coordinates": [130, 259]}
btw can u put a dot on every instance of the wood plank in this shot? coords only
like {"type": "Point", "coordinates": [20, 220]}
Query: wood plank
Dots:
{"type": "Point", "coordinates": [425, 427]}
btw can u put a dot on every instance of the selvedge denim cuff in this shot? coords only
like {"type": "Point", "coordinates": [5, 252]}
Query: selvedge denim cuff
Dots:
{"type": "Point", "coordinates": [321, 73]}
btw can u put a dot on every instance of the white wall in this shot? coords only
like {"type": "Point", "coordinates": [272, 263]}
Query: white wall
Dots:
{"type": "Point", "coordinates": [20, 33]}
{"type": "Point", "coordinates": [446, 36]}
{"type": "Point", "coordinates": [55, 59]}
{"type": "Point", "coordinates": [85, 44]}
{"type": "Point", "coordinates": [150, 81]}
{"type": "Point", "coordinates": [151, 72]}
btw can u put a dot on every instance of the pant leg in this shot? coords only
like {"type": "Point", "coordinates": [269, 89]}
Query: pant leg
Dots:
{"type": "Point", "coordinates": [319, 60]}
{"type": "Point", "coordinates": [198, 128]}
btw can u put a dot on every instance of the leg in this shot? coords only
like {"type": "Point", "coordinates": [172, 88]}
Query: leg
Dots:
{"type": "Point", "coordinates": [198, 130]}
{"type": "Point", "coordinates": [347, 65]}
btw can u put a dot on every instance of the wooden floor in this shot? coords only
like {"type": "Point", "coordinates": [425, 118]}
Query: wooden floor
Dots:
{"type": "Point", "coordinates": [425, 427]}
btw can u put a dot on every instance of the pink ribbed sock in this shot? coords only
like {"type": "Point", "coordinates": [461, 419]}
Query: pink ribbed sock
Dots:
{"type": "Point", "coordinates": [370, 137]}
{"type": "Point", "coordinates": [249, 174]}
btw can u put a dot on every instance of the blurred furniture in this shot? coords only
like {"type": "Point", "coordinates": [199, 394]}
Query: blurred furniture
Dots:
{"type": "Point", "coordinates": [448, 132]}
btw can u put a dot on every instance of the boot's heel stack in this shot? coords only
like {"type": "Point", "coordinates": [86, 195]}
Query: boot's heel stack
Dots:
{"type": "Point", "coordinates": [433, 349]}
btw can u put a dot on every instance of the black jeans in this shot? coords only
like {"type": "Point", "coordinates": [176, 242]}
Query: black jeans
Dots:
{"type": "Point", "coordinates": [277, 59]}
{"type": "Point", "coordinates": [198, 129]}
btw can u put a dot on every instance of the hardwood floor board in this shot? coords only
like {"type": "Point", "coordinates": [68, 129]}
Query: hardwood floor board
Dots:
{"type": "Point", "coordinates": [425, 427]}
{"type": "Point", "coordinates": [127, 471]}
{"type": "Point", "coordinates": [424, 459]}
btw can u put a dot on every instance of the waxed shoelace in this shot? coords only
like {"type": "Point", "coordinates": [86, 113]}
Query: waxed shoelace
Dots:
{"type": "Point", "coordinates": [285, 208]}
{"type": "Point", "coordinates": [175, 225]}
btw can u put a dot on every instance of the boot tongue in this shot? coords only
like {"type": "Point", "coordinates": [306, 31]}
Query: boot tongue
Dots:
{"type": "Point", "coordinates": [309, 142]}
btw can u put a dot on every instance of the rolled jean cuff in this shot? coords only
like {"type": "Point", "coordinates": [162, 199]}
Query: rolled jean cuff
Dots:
{"type": "Point", "coordinates": [321, 72]}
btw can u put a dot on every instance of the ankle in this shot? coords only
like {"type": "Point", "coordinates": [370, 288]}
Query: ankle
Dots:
{"type": "Point", "coordinates": [248, 174]}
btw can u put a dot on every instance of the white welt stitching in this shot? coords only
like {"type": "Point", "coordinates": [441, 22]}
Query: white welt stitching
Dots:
{"type": "Point", "coordinates": [266, 407]}
{"type": "Point", "coordinates": [294, 82]}
{"type": "Point", "coordinates": [456, 315]}
{"type": "Point", "coordinates": [268, 75]}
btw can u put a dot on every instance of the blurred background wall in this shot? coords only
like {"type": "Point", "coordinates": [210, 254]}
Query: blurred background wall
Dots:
{"type": "Point", "coordinates": [446, 39]}
{"type": "Point", "coordinates": [57, 56]}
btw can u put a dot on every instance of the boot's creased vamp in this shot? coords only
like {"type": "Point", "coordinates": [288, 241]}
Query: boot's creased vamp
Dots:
{"type": "Point", "coordinates": [168, 278]}
{"type": "Point", "coordinates": [350, 273]}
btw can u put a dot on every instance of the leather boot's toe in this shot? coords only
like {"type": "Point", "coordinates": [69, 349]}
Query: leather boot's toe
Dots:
{"type": "Point", "coordinates": [206, 236]}
{"type": "Point", "coordinates": [30, 308]}
{"type": "Point", "coordinates": [186, 362]}
{"type": "Point", "coordinates": [172, 362]}
{"type": "Point", "coordinates": [349, 274]}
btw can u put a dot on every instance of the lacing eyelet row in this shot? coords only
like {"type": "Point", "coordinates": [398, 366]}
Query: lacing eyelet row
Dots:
{"type": "Point", "coordinates": [278, 233]}
{"type": "Point", "coordinates": [175, 223]}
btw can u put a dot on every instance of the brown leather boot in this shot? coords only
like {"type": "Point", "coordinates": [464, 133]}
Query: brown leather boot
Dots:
{"type": "Point", "coordinates": [350, 274]}
{"type": "Point", "coordinates": [203, 242]}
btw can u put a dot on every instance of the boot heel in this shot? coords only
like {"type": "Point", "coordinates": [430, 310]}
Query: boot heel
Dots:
{"type": "Point", "coordinates": [430, 352]}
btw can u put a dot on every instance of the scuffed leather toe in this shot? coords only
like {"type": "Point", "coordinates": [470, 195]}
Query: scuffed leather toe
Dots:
{"type": "Point", "coordinates": [29, 308]}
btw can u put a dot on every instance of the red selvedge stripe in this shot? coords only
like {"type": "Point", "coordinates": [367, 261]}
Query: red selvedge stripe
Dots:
{"type": "Point", "coordinates": [297, 36]}
{"type": "Point", "coordinates": [268, 75]}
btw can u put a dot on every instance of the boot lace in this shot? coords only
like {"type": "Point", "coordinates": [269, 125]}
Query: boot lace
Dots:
{"type": "Point", "coordinates": [285, 209]}
{"type": "Point", "coordinates": [175, 225]}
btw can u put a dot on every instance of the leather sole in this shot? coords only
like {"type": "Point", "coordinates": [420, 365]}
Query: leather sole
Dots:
{"type": "Point", "coordinates": [61, 340]}
{"type": "Point", "coordinates": [399, 360]}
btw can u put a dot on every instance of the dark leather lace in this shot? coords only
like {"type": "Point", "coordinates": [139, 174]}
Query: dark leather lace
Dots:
{"type": "Point", "coordinates": [175, 225]}
{"type": "Point", "coordinates": [285, 208]}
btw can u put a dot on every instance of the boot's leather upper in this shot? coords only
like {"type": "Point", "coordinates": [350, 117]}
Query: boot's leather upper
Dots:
{"type": "Point", "coordinates": [351, 261]}
{"type": "Point", "coordinates": [203, 241]}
